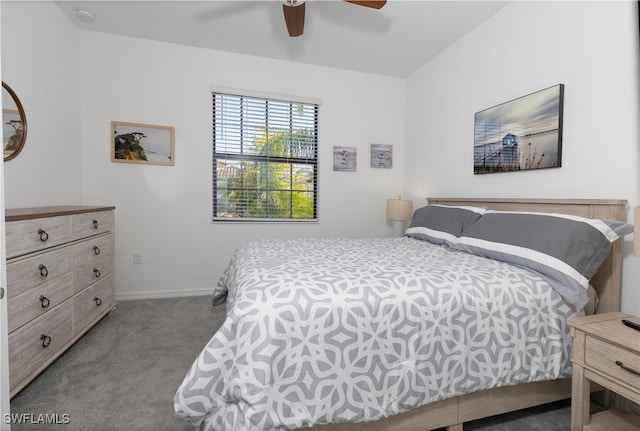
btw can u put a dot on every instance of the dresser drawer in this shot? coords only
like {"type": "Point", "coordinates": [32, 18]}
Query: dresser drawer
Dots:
{"type": "Point", "coordinates": [26, 236]}
{"type": "Point", "coordinates": [84, 276]}
{"type": "Point", "coordinates": [31, 346]}
{"type": "Point", "coordinates": [94, 301]}
{"type": "Point", "coordinates": [91, 261]}
{"type": "Point", "coordinates": [27, 273]}
{"type": "Point", "coordinates": [609, 359]}
{"type": "Point", "coordinates": [38, 301]}
{"type": "Point", "coordinates": [93, 223]}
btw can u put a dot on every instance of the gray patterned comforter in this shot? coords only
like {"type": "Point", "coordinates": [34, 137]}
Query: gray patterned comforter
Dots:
{"type": "Point", "coordinates": [352, 330]}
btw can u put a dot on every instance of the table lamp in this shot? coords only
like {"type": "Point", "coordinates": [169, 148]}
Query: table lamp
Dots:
{"type": "Point", "coordinates": [399, 210]}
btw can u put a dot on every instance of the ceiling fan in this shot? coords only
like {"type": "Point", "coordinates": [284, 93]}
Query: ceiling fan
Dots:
{"type": "Point", "coordinates": [294, 13]}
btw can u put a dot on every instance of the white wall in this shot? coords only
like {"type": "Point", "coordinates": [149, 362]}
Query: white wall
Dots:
{"type": "Point", "coordinates": [592, 48]}
{"type": "Point", "coordinates": [165, 212]}
{"type": "Point", "coordinates": [40, 62]}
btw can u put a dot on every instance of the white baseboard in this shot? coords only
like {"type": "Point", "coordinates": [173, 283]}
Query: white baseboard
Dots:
{"type": "Point", "coordinates": [158, 294]}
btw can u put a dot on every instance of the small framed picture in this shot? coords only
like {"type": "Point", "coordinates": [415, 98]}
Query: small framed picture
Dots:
{"type": "Point", "coordinates": [381, 156]}
{"type": "Point", "coordinates": [142, 143]}
{"type": "Point", "coordinates": [345, 159]}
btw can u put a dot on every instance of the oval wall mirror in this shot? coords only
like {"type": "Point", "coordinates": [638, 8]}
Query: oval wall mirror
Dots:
{"type": "Point", "coordinates": [14, 123]}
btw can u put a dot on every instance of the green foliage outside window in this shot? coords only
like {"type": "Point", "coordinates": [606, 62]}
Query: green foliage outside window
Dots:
{"type": "Point", "coordinates": [277, 182]}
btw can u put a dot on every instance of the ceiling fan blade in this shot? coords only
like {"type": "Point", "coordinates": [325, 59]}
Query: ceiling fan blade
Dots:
{"type": "Point", "coordinates": [371, 4]}
{"type": "Point", "coordinates": [294, 17]}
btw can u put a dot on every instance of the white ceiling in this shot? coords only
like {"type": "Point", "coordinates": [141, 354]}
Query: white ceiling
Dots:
{"type": "Point", "coordinates": [395, 40]}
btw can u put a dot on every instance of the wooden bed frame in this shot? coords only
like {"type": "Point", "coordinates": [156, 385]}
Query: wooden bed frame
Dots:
{"type": "Point", "coordinates": [454, 412]}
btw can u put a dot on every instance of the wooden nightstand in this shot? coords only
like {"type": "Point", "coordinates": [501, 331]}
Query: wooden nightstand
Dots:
{"type": "Point", "coordinates": [605, 352]}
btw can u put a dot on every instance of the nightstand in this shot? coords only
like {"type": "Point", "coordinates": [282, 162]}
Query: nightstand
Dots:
{"type": "Point", "coordinates": [606, 352]}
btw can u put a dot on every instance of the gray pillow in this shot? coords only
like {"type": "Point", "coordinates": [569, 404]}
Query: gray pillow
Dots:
{"type": "Point", "coordinates": [566, 250]}
{"type": "Point", "coordinates": [442, 224]}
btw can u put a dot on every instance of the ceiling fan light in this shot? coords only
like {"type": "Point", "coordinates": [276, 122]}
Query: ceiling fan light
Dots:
{"type": "Point", "coordinates": [85, 15]}
{"type": "Point", "coordinates": [292, 3]}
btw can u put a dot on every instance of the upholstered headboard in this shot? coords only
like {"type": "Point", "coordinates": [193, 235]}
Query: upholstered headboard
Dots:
{"type": "Point", "coordinates": [607, 281]}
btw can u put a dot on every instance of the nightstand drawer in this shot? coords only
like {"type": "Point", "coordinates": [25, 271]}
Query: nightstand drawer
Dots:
{"type": "Point", "coordinates": [619, 363]}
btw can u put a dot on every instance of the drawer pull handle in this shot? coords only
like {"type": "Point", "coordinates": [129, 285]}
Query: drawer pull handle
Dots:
{"type": "Point", "coordinates": [43, 270]}
{"type": "Point", "coordinates": [44, 301]}
{"type": "Point", "coordinates": [46, 340]}
{"type": "Point", "coordinates": [624, 367]}
{"type": "Point", "coordinates": [96, 250]}
{"type": "Point", "coordinates": [96, 271]}
{"type": "Point", "coordinates": [98, 301]}
{"type": "Point", "coordinates": [44, 236]}
{"type": "Point", "coordinates": [95, 224]}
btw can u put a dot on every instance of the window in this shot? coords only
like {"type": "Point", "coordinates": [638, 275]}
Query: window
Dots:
{"type": "Point", "coordinates": [265, 159]}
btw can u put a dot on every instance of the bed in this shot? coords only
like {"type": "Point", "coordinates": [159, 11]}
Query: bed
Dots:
{"type": "Point", "coordinates": [315, 339]}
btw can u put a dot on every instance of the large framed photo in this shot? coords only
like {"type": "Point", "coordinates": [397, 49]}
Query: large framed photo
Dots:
{"type": "Point", "coordinates": [142, 143]}
{"type": "Point", "coordinates": [519, 135]}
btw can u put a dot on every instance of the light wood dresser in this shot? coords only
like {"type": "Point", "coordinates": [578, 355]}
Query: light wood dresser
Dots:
{"type": "Point", "coordinates": [60, 282]}
{"type": "Point", "coordinates": [606, 352]}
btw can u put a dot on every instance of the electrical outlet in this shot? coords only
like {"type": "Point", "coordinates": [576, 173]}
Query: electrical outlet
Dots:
{"type": "Point", "coordinates": [137, 258]}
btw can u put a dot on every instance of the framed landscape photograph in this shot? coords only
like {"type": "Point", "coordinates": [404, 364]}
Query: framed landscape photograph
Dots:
{"type": "Point", "coordinates": [142, 143]}
{"type": "Point", "coordinates": [522, 134]}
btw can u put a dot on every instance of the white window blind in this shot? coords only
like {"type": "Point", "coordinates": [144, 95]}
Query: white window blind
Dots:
{"type": "Point", "coordinates": [265, 158]}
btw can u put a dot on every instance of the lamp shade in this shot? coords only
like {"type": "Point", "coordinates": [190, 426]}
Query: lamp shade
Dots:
{"type": "Point", "coordinates": [399, 209]}
{"type": "Point", "coordinates": [636, 232]}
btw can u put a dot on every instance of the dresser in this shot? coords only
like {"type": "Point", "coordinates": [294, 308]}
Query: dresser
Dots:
{"type": "Point", "coordinates": [60, 282]}
{"type": "Point", "coordinates": [606, 352]}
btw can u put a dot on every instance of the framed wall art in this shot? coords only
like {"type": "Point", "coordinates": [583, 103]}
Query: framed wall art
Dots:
{"type": "Point", "coordinates": [381, 156]}
{"type": "Point", "coordinates": [142, 143]}
{"type": "Point", "coordinates": [345, 159]}
{"type": "Point", "coordinates": [522, 134]}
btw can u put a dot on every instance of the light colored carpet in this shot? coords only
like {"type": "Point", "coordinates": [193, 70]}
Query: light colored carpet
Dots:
{"type": "Point", "coordinates": [123, 374]}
